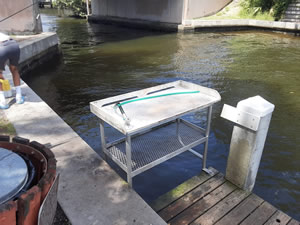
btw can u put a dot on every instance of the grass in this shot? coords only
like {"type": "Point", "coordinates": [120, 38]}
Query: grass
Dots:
{"type": "Point", "coordinates": [242, 15]}
{"type": "Point", "coordinates": [6, 128]}
{"type": "Point", "coordinates": [236, 11]}
{"type": "Point", "coordinates": [257, 16]}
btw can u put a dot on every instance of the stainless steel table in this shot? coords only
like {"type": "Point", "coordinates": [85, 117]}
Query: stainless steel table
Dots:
{"type": "Point", "coordinates": [139, 115]}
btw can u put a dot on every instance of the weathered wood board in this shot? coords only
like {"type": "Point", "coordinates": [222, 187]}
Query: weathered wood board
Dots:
{"type": "Point", "coordinates": [210, 199]}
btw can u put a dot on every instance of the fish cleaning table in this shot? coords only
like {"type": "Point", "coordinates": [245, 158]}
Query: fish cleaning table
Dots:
{"type": "Point", "coordinates": [151, 124]}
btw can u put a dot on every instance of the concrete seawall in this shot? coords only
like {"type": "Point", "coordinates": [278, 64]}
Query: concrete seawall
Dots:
{"type": "Point", "coordinates": [37, 49]}
{"type": "Point", "coordinates": [238, 24]}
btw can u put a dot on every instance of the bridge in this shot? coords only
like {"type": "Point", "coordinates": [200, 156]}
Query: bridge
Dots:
{"type": "Point", "coordinates": [153, 13]}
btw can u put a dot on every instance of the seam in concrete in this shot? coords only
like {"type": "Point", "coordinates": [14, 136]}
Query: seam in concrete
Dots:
{"type": "Point", "coordinates": [53, 145]}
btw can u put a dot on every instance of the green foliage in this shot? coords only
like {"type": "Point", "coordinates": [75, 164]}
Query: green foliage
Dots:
{"type": "Point", "coordinates": [77, 6]}
{"type": "Point", "coordinates": [255, 14]}
{"type": "Point", "coordinates": [6, 128]}
{"type": "Point", "coordinates": [275, 7]}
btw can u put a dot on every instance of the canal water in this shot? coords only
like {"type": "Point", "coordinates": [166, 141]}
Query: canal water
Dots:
{"type": "Point", "coordinates": [99, 61]}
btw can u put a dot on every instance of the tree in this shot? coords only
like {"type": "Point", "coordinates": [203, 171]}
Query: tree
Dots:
{"type": "Point", "coordinates": [77, 6]}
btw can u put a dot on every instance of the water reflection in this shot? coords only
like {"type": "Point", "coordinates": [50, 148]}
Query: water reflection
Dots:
{"type": "Point", "coordinates": [100, 61]}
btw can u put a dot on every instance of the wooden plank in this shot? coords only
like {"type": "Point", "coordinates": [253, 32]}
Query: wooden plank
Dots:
{"type": "Point", "coordinates": [185, 201]}
{"type": "Point", "coordinates": [260, 215]}
{"type": "Point", "coordinates": [204, 204]}
{"type": "Point", "coordinates": [294, 222]}
{"type": "Point", "coordinates": [180, 190]}
{"type": "Point", "coordinates": [210, 199]}
{"type": "Point", "coordinates": [239, 213]}
{"type": "Point", "coordinates": [223, 207]}
{"type": "Point", "coordinates": [279, 218]}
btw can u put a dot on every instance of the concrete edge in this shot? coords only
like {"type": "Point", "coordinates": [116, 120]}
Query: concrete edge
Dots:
{"type": "Point", "coordinates": [36, 45]}
{"type": "Point", "coordinates": [37, 49]}
{"type": "Point", "coordinates": [191, 25]}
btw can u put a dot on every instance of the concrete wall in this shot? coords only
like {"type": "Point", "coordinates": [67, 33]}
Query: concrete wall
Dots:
{"type": "Point", "coordinates": [165, 11]}
{"type": "Point", "coordinates": [25, 22]}
{"type": "Point", "coordinates": [162, 11]}
{"type": "Point", "coordinates": [37, 50]}
{"type": "Point", "coordinates": [200, 8]}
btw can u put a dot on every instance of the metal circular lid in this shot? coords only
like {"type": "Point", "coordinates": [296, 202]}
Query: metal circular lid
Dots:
{"type": "Point", "coordinates": [13, 174]}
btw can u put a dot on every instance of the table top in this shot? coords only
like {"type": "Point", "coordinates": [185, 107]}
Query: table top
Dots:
{"type": "Point", "coordinates": [153, 106]}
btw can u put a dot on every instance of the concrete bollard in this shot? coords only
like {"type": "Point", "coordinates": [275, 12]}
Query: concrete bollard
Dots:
{"type": "Point", "coordinates": [252, 116]}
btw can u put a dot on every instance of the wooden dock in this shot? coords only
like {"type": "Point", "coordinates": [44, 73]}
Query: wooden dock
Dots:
{"type": "Point", "coordinates": [211, 199]}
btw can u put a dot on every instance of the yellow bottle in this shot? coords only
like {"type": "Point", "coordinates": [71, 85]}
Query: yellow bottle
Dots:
{"type": "Point", "coordinates": [6, 88]}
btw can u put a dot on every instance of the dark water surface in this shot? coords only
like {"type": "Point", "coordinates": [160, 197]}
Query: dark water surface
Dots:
{"type": "Point", "coordinates": [100, 61]}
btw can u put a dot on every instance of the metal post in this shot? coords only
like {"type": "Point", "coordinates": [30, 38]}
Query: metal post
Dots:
{"type": "Point", "coordinates": [177, 131]}
{"type": "Point", "coordinates": [177, 126]}
{"type": "Point", "coordinates": [209, 112]}
{"type": "Point", "coordinates": [253, 116]}
{"type": "Point", "coordinates": [87, 7]}
{"type": "Point", "coordinates": [128, 159]}
{"type": "Point", "coordinates": [185, 10]}
{"type": "Point", "coordinates": [103, 142]}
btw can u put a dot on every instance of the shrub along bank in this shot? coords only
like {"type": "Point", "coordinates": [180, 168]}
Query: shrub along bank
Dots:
{"type": "Point", "coordinates": [77, 6]}
{"type": "Point", "coordinates": [275, 7]}
{"type": "Point", "coordinates": [252, 9]}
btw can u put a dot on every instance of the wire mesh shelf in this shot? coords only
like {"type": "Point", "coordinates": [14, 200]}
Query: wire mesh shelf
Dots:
{"type": "Point", "coordinates": [155, 145]}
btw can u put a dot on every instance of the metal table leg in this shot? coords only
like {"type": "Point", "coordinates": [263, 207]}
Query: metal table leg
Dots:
{"type": "Point", "coordinates": [177, 131]}
{"type": "Point", "coordinates": [178, 120]}
{"type": "Point", "coordinates": [209, 112]}
{"type": "Point", "coordinates": [128, 159]}
{"type": "Point", "coordinates": [103, 142]}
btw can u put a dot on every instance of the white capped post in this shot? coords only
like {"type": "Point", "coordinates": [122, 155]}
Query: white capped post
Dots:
{"type": "Point", "coordinates": [252, 116]}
